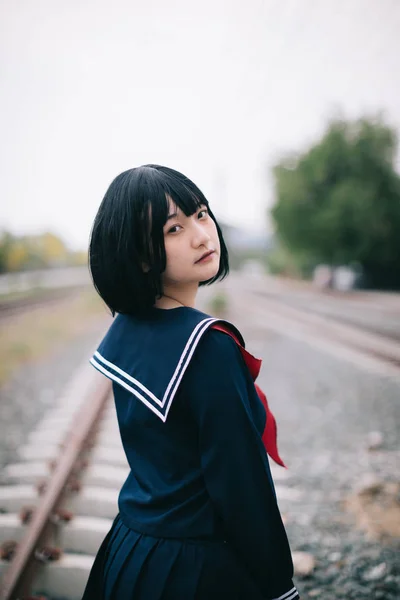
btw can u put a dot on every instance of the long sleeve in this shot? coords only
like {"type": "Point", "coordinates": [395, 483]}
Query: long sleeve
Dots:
{"type": "Point", "coordinates": [230, 421]}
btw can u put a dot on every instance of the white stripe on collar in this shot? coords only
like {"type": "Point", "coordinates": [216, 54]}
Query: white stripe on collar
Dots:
{"type": "Point", "coordinates": [159, 407]}
{"type": "Point", "coordinates": [290, 595]}
{"type": "Point", "coordinates": [126, 386]}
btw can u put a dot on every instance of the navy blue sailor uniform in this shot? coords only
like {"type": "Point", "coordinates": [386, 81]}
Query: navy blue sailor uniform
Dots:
{"type": "Point", "coordinates": [198, 517]}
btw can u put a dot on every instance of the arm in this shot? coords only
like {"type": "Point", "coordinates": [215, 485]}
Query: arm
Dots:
{"type": "Point", "coordinates": [230, 417]}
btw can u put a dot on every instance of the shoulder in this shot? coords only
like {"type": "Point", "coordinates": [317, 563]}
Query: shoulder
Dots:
{"type": "Point", "coordinates": [218, 342]}
{"type": "Point", "coordinates": [217, 354]}
{"type": "Point", "coordinates": [217, 378]}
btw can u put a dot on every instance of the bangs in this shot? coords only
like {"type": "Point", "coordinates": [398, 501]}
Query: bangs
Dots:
{"type": "Point", "coordinates": [164, 183]}
{"type": "Point", "coordinates": [163, 186]}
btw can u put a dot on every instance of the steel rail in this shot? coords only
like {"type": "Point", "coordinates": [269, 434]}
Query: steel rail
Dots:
{"type": "Point", "coordinates": [20, 306]}
{"type": "Point", "coordinates": [316, 326]}
{"type": "Point", "coordinates": [21, 572]}
{"type": "Point", "coordinates": [364, 340]}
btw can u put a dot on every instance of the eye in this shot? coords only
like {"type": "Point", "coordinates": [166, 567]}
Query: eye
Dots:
{"type": "Point", "coordinates": [202, 213]}
{"type": "Point", "coordinates": [174, 229]}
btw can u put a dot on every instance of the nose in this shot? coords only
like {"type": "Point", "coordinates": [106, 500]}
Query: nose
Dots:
{"type": "Point", "coordinates": [200, 237]}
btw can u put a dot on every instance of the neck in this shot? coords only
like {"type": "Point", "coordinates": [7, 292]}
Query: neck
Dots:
{"type": "Point", "coordinates": [175, 296]}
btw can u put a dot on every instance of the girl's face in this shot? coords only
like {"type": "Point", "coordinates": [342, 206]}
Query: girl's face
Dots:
{"type": "Point", "coordinates": [191, 245]}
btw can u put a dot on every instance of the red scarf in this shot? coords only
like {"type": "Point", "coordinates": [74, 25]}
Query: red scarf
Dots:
{"type": "Point", "coordinates": [269, 436]}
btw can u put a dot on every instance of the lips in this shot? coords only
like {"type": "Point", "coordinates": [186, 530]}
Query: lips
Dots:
{"type": "Point", "coordinates": [208, 253]}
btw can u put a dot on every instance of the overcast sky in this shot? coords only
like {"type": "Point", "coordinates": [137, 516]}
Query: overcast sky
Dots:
{"type": "Point", "coordinates": [217, 89]}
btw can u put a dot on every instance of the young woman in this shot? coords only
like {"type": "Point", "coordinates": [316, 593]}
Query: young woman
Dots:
{"type": "Point", "coordinates": [198, 517]}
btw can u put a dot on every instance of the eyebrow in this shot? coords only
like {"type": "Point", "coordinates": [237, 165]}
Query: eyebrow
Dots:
{"type": "Point", "coordinates": [175, 214]}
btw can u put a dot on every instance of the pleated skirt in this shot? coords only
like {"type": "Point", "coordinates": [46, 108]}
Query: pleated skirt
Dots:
{"type": "Point", "coordinates": [134, 566]}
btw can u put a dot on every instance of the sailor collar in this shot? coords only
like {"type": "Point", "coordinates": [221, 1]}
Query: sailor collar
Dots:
{"type": "Point", "coordinates": [148, 357]}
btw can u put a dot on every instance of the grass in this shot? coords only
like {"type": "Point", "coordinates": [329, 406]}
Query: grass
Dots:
{"type": "Point", "coordinates": [34, 334]}
{"type": "Point", "coordinates": [218, 304]}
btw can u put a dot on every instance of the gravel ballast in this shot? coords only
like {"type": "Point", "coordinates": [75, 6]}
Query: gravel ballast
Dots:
{"type": "Point", "coordinates": [36, 387]}
{"type": "Point", "coordinates": [326, 409]}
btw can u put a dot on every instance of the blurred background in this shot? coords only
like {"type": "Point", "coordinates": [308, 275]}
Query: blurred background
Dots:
{"type": "Point", "coordinates": [286, 114]}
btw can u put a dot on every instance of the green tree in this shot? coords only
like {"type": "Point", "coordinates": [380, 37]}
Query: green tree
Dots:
{"type": "Point", "coordinates": [339, 202]}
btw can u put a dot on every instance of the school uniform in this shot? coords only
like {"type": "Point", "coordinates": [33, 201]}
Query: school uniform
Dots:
{"type": "Point", "coordinates": [198, 517]}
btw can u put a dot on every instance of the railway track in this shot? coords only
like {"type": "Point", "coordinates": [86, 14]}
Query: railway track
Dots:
{"type": "Point", "coordinates": [58, 502]}
{"type": "Point", "coordinates": [11, 308]}
{"type": "Point", "coordinates": [360, 344]}
{"type": "Point", "coordinates": [365, 341]}
{"type": "Point", "coordinates": [359, 313]}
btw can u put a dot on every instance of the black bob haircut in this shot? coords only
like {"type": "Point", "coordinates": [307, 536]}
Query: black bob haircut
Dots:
{"type": "Point", "coordinates": [128, 232]}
